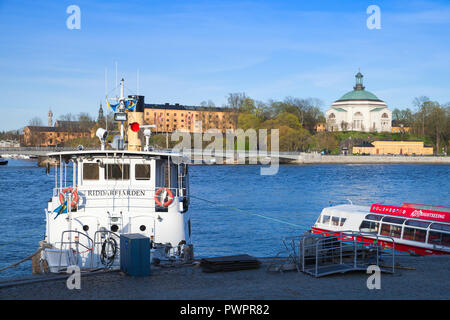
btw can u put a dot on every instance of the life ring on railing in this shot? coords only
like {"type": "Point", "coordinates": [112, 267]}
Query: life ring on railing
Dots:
{"type": "Point", "coordinates": [74, 199]}
{"type": "Point", "coordinates": [169, 196]}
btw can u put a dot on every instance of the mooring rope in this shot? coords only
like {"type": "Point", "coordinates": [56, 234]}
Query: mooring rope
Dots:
{"type": "Point", "coordinates": [248, 212]}
{"type": "Point", "coordinates": [15, 264]}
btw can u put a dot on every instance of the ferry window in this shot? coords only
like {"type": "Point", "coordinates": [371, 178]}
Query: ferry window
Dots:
{"type": "Point", "coordinates": [393, 220]}
{"type": "Point", "coordinates": [343, 221]}
{"type": "Point", "coordinates": [391, 230]}
{"type": "Point", "coordinates": [416, 223]}
{"type": "Point", "coordinates": [440, 226]}
{"type": "Point", "coordinates": [439, 238]}
{"type": "Point", "coordinates": [117, 172]}
{"type": "Point", "coordinates": [369, 226]}
{"type": "Point", "coordinates": [335, 221]}
{"type": "Point", "coordinates": [374, 217]}
{"type": "Point", "coordinates": [414, 234]}
{"type": "Point", "coordinates": [90, 171]}
{"type": "Point", "coordinates": [326, 220]}
{"type": "Point", "coordinates": [142, 172]}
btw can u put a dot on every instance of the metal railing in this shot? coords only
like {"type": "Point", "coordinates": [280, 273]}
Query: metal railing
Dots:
{"type": "Point", "coordinates": [337, 252]}
{"type": "Point", "coordinates": [74, 253]}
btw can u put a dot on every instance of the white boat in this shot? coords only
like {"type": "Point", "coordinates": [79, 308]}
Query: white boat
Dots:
{"type": "Point", "coordinates": [111, 192]}
{"type": "Point", "coordinates": [415, 228]}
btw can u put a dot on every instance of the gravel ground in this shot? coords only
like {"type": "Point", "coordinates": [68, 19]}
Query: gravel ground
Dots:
{"type": "Point", "coordinates": [429, 280]}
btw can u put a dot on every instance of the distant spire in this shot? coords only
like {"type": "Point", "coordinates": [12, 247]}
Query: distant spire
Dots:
{"type": "Point", "coordinates": [101, 117]}
{"type": "Point", "coordinates": [50, 118]}
{"type": "Point", "coordinates": [359, 81]}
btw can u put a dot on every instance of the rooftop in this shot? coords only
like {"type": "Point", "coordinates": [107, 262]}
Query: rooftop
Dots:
{"type": "Point", "coordinates": [359, 92]}
{"type": "Point", "coordinates": [177, 106]}
{"type": "Point", "coordinates": [56, 129]}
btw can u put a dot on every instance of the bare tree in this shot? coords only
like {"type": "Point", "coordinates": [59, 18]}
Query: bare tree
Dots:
{"type": "Point", "coordinates": [35, 121]}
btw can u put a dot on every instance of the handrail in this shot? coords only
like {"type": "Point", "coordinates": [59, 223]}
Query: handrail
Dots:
{"type": "Point", "coordinates": [90, 242]}
{"type": "Point", "coordinates": [321, 250]}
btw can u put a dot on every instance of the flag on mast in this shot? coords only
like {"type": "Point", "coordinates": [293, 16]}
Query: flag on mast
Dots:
{"type": "Point", "coordinates": [130, 104]}
{"type": "Point", "coordinates": [112, 106]}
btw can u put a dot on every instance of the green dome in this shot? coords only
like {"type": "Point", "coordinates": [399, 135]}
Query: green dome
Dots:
{"type": "Point", "coordinates": [359, 95]}
{"type": "Point", "coordinates": [358, 92]}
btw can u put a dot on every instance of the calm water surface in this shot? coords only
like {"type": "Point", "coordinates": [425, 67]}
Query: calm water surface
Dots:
{"type": "Point", "coordinates": [295, 195]}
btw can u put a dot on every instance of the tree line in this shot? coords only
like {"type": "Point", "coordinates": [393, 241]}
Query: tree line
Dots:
{"type": "Point", "coordinates": [430, 120]}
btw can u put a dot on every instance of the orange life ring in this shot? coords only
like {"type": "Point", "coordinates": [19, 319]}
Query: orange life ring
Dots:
{"type": "Point", "coordinates": [74, 199]}
{"type": "Point", "coordinates": [169, 197]}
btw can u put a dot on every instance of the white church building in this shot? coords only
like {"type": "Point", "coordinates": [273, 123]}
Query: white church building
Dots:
{"type": "Point", "coordinates": [359, 110]}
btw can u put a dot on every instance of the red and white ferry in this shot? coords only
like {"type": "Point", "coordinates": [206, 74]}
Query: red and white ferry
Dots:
{"type": "Point", "coordinates": [415, 228]}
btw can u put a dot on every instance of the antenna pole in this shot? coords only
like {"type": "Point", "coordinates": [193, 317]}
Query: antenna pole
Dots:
{"type": "Point", "coordinates": [116, 74]}
{"type": "Point", "coordinates": [137, 82]}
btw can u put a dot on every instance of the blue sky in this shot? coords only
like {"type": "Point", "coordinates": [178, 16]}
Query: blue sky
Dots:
{"type": "Point", "coordinates": [190, 51]}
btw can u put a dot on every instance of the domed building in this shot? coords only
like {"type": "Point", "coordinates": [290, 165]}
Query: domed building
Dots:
{"type": "Point", "coordinates": [359, 110]}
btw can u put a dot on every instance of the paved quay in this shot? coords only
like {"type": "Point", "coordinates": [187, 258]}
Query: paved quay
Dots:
{"type": "Point", "coordinates": [429, 280]}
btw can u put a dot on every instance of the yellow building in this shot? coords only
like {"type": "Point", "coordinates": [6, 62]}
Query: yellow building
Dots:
{"type": "Point", "coordinates": [169, 118]}
{"type": "Point", "coordinates": [394, 147]}
{"type": "Point", "coordinates": [320, 127]}
{"type": "Point", "coordinates": [39, 136]}
{"type": "Point", "coordinates": [400, 129]}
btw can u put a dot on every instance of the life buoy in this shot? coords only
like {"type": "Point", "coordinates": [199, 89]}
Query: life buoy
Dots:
{"type": "Point", "coordinates": [74, 199]}
{"type": "Point", "coordinates": [169, 197]}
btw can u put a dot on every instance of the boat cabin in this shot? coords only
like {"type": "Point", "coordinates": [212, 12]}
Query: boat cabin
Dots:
{"type": "Point", "coordinates": [104, 192]}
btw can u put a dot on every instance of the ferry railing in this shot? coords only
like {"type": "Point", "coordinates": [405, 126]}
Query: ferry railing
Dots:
{"type": "Point", "coordinates": [88, 248]}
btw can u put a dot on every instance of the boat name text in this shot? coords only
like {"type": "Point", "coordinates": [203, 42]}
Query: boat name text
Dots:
{"type": "Point", "coordinates": [116, 193]}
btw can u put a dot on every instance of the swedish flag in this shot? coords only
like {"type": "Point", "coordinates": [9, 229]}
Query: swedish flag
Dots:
{"type": "Point", "coordinates": [130, 104]}
{"type": "Point", "coordinates": [112, 106]}
{"type": "Point", "coordinates": [61, 209]}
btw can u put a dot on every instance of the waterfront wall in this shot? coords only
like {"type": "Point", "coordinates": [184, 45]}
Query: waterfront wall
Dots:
{"type": "Point", "coordinates": [308, 158]}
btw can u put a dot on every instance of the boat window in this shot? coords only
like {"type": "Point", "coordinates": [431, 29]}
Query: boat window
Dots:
{"type": "Point", "coordinates": [343, 221]}
{"type": "Point", "coordinates": [90, 171]}
{"type": "Point", "coordinates": [416, 223]}
{"type": "Point", "coordinates": [391, 230]}
{"type": "Point", "coordinates": [326, 219]}
{"type": "Point", "coordinates": [117, 172]}
{"type": "Point", "coordinates": [369, 226]}
{"type": "Point", "coordinates": [393, 220]}
{"type": "Point", "coordinates": [335, 221]}
{"type": "Point", "coordinates": [142, 172]}
{"type": "Point", "coordinates": [414, 234]}
{"type": "Point", "coordinates": [373, 217]}
{"type": "Point", "coordinates": [440, 226]}
{"type": "Point", "coordinates": [439, 238]}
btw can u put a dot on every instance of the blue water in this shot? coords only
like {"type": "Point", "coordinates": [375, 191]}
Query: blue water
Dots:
{"type": "Point", "coordinates": [295, 195]}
